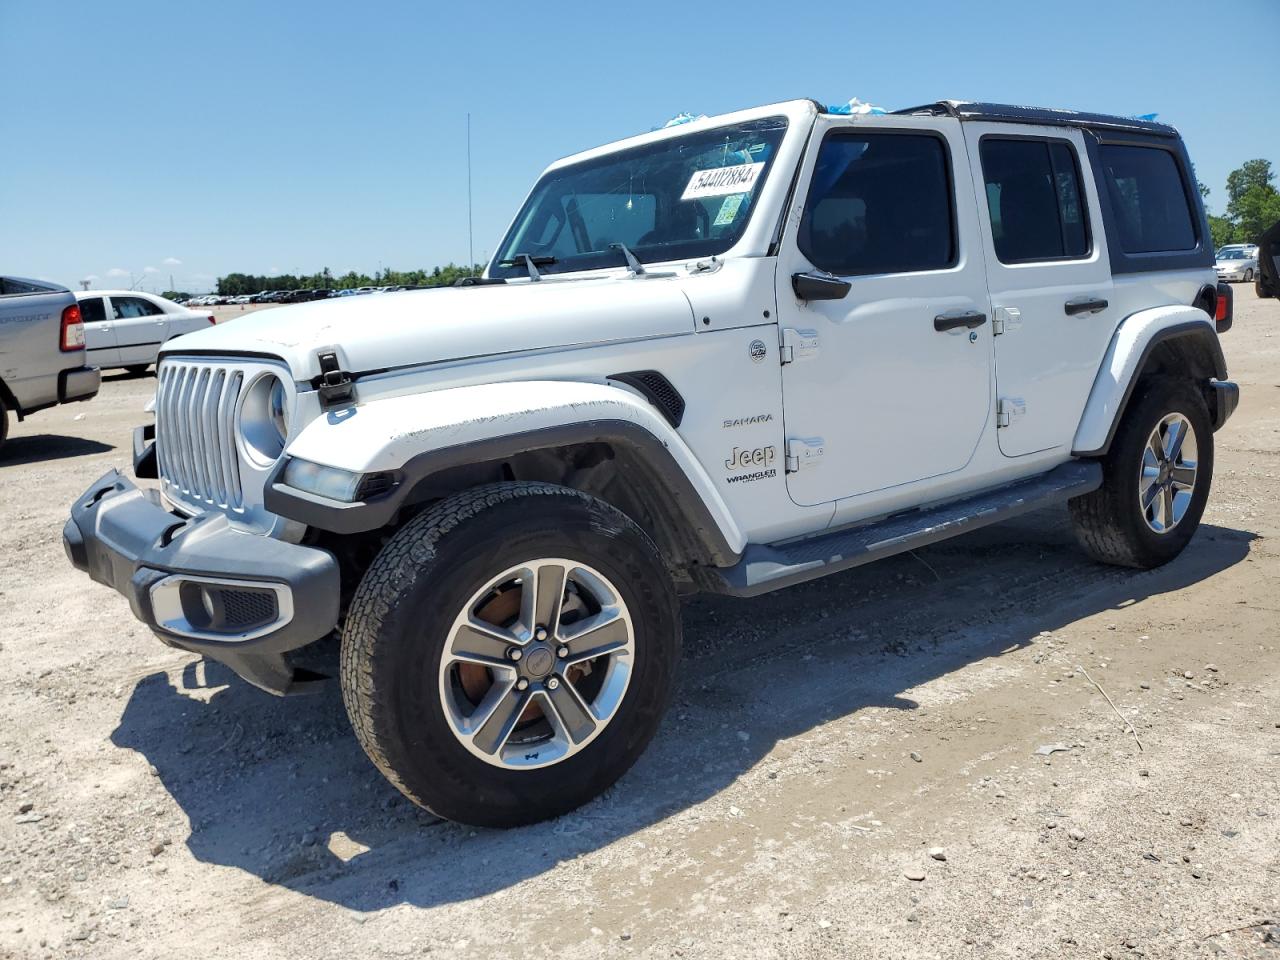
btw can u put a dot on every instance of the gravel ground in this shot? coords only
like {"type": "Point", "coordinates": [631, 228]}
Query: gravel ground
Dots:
{"type": "Point", "coordinates": [856, 767]}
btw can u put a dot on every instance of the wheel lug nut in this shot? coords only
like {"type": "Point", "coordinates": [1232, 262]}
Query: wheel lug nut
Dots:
{"type": "Point", "coordinates": [553, 684]}
{"type": "Point", "coordinates": [562, 652]}
{"type": "Point", "coordinates": [541, 633]}
{"type": "Point", "coordinates": [514, 653]}
{"type": "Point", "coordinates": [522, 684]}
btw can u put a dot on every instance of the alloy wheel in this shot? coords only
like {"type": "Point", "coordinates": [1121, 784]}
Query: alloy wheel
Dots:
{"type": "Point", "coordinates": [1167, 477]}
{"type": "Point", "coordinates": [537, 664]}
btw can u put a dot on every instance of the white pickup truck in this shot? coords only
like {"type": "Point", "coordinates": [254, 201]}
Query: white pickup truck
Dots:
{"type": "Point", "coordinates": [726, 356]}
{"type": "Point", "coordinates": [42, 354]}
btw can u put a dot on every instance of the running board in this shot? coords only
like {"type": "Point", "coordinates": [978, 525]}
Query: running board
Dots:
{"type": "Point", "coordinates": [766, 566]}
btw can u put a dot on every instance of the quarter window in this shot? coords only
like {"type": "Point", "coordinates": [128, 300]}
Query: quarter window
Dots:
{"type": "Point", "coordinates": [1034, 199]}
{"type": "Point", "coordinates": [880, 203]}
{"type": "Point", "coordinates": [126, 308]}
{"type": "Point", "coordinates": [1152, 207]}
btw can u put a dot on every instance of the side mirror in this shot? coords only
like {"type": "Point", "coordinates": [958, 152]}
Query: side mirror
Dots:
{"type": "Point", "coordinates": [819, 286]}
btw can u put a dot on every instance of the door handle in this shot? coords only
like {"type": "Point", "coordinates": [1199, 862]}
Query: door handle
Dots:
{"type": "Point", "coordinates": [953, 321]}
{"type": "Point", "coordinates": [1084, 305]}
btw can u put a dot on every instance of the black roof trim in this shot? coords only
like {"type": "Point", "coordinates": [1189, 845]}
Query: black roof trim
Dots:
{"type": "Point", "coordinates": [1009, 113]}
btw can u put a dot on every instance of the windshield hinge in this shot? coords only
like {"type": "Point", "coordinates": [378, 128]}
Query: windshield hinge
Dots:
{"type": "Point", "coordinates": [334, 384]}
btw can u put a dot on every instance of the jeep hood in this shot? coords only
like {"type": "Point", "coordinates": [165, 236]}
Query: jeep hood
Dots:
{"type": "Point", "coordinates": [409, 327]}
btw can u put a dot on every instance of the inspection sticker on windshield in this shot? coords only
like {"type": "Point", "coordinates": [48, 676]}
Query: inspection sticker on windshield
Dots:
{"type": "Point", "coordinates": [722, 181]}
{"type": "Point", "coordinates": [729, 210]}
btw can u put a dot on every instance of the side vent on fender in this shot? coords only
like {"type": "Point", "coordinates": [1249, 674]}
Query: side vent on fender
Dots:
{"type": "Point", "coordinates": [658, 390]}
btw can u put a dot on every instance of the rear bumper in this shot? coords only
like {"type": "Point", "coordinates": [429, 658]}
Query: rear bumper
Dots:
{"type": "Point", "coordinates": [82, 383]}
{"type": "Point", "coordinates": [1226, 396]}
{"type": "Point", "coordinates": [202, 585]}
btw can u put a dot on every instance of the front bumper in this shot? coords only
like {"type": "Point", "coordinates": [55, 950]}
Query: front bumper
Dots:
{"type": "Point", "coordinates": [202, 585]}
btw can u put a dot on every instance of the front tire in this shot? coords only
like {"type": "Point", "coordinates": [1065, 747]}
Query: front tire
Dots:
{"type": "Point", "coordinates": [1248, 276]}
{"type": "Point", "coordinates": [509, 653]}
{"type": "Point", "coordinates": [4, 425]}
{"type": "Point", "coordinates": [1156, 479]}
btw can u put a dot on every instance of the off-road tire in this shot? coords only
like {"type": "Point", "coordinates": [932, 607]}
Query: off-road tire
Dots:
{"type": "Point", "coordinates": [399, 621]}
{"type": "Point", "coordinates": [1109, 522]}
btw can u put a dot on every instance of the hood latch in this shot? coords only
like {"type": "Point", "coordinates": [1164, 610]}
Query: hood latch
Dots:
{"type": "Point", "coordinates": [334, 384]}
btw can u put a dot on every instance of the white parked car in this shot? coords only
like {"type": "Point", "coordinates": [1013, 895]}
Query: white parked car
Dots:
{"type": "Point", "coordinates": [727, 356]}
{"type": "Point", "coordinates": [126, 328]}
{"type": "Point", "coordinates": [1237, 264]}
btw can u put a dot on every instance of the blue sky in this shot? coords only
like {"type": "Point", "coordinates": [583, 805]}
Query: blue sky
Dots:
{"type": "Point", "coordinates": [197, 139]}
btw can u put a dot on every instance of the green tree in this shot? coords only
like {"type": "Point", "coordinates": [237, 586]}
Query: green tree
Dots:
{"type": "Point", "coordinates": [1253, 203]}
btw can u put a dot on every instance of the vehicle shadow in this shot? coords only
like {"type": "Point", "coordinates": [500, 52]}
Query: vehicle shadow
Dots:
{"type": "Point", "coordinates": [281, 790]}
{"type": "Point", "coordinates": [48, 446]}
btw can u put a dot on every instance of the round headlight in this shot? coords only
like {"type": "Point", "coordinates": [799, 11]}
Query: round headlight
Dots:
{"type": "Point", "coordinates": [279, 411]}
{"type": "Point", "coordinates": [264, 419]}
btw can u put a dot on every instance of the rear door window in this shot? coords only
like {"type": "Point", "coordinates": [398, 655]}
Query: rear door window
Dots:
{"type": "Point", "coordinates": [1149, 196]}
{"type": "Point", "coordinates": [93, 310]}
{"type": "Point", "coordinates": [1034, 199]}
{"type": "Point", "coordinates": [880, 203]}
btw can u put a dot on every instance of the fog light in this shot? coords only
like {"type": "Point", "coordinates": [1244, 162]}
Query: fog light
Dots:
{"type": "Point", "coordinates": [332, 483]}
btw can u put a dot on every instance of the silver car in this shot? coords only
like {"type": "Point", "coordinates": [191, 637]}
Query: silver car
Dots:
{"type": "Point", "coordinates": [1237, 264]}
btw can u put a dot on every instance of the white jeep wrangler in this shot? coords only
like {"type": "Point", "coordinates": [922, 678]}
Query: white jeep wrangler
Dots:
{"type": "Point", "coordinates": [725, 356]}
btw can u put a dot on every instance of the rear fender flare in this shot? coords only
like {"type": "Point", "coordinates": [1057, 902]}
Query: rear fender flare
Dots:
{"type": "Point", "coordinates": [1127, 356]}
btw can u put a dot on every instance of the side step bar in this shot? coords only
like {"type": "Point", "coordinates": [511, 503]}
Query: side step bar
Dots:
{"type": "Point", "coordinates": [766, 567]}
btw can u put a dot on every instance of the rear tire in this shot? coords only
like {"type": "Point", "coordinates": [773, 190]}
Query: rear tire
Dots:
{"type": "Point", "coordinates": [4, 425]}
{"type": "Point", "coordinates": [138, 369]}
{"type": "Point", "coordinates": [422, 686]}
{"type": "Point", "coordinates": [1150, 503]}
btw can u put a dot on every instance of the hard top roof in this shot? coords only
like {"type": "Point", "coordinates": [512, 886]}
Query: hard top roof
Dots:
{"type": "Point", "coordinates": [1010, 113]}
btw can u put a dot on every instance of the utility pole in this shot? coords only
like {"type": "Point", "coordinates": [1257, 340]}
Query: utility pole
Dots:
{"type": "Point", "coordinates": [471, 251]}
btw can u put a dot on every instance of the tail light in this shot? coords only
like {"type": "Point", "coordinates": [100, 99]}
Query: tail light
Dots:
{"type": "Point", "coordinates": [1223, 308]}
{"type": "Point", "coordinates": [72, 330]}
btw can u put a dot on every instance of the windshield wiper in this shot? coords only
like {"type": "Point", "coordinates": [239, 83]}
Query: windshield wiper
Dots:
{"type": "Point", "coordinates": [634, 265]}
{"type": "Point", "coordinates": [531, 263]}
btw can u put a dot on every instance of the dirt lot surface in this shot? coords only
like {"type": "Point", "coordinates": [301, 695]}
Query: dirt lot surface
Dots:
{"type": "Point", "coordinates": [823, 742]}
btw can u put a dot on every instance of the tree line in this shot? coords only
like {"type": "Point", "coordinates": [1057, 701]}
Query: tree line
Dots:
{"type": "Point", "coordinates": [1253, 204]}
{"type": "Point", "coordinates": [238, 284]}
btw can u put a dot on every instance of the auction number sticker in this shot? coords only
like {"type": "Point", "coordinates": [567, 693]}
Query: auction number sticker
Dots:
{"type": "Point", "coordinates": [722, 181]}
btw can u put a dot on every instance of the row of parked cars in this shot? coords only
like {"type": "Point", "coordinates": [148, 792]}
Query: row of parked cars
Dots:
{"type": "Point", "coordinates": [290, 296]}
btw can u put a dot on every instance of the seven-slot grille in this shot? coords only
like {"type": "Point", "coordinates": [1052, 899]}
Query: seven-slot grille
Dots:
{"type": "Point", "coordinates": [196, 433]}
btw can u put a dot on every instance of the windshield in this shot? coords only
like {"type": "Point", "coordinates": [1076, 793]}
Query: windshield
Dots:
{"type": "Point", "coordinates": [1226, 254]}
{"type": "Point", "coordinates": [687, 197]}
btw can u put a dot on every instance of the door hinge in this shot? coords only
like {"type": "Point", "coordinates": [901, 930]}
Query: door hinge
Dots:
{"type": "Point", "coordinates": [1005, 320]}
{"type": "Point", "coordinates": [1009, 410]}
{"type": "Point", "coordinates": [797, 344]}
{"type": "Point", "coordinates": [334, 384]}
{"type": "Point", "coordinates": [803, 453]}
